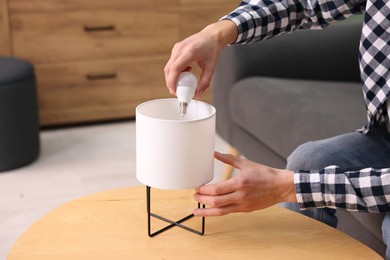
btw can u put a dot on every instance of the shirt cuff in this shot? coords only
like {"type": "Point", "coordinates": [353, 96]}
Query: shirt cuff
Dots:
{"type": "Point", "coordinates": [245, 26]}
{"type": "Point", "coordinates": [308, 190]}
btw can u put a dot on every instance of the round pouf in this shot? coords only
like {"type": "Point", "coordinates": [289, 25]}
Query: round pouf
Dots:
{"type": "Point", "coordinates": [19, 127]}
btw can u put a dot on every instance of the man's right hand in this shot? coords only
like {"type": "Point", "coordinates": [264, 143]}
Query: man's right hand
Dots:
{"type": "Point", "coordinates": [203, 48]}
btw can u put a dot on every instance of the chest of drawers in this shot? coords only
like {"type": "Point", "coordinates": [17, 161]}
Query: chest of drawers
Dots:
{"type": "Point", "coordinates": [97, 60]}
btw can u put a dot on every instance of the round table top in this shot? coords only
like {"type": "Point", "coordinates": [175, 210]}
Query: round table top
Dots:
{"type": "Point", "coordinates": [113, 225]}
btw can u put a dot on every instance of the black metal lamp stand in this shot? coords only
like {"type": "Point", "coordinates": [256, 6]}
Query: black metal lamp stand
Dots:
{"type": "Point", "coordinates": [171, 223]}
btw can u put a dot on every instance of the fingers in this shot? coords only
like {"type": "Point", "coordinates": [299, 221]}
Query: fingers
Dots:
{"type": "Point", "coordinates": [227, 186]}
{"type": "Point", "coordinates": [204, 82]}
{"type": "Point", "coordinates": [176, 64]}
{"type": "Point", "coordinates": [215, 201]}
{"type": "Point", "coordinates": [212, 212]}
{"type": "Point", "coordinates": [217, 205]}
{"type": "Point", "coordinates": [199, 49]}
{"type": "Point", "coordinates": [203, 48]}
{"type": "Point", "coordinates": [220, 188]}
{"type": "Point", "coordinates": [219, 197]}
{"type": "Point", "coordinates": [232, 160]}
{"type": "Point", "coordinates": [224, 197]}
{"type": "Point", "coordinates": [168, 80]}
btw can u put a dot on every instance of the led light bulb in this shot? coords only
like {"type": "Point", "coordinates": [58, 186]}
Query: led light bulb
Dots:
{"type": "Point", "coordinates": [185, 90]}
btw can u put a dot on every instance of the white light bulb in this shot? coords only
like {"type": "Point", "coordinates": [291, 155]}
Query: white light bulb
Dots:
{"type": "Point", "coordinates": [185, 90]}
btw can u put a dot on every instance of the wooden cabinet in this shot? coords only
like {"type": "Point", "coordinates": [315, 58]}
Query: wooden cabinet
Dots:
{"type": "Point", "coordinates": [97, 60]}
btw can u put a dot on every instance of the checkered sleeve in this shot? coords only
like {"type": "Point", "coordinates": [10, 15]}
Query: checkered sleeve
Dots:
{"type": "Point", "coordinates": [262, 19]}
{"type": "Point", "coordinates": [367, 190]}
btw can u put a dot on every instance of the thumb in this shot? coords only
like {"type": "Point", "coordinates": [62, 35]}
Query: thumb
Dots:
{"type": "Point", "coordinates": [230, 159]}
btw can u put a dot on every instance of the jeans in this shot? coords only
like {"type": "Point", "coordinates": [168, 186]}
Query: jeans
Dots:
{"type": "Point", "coordinates": [351, 151]}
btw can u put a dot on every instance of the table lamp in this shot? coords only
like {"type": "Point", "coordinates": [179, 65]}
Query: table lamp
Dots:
{"type": "Point", "coordinates": [174, 151]}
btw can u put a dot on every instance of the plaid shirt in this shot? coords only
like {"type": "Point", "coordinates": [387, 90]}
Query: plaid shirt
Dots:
{"type": "Point", "coordinates": [368, 189]}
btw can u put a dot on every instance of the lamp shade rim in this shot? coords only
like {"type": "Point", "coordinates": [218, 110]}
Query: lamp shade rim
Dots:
{"type": "Point", "coordinates": [141, 106]}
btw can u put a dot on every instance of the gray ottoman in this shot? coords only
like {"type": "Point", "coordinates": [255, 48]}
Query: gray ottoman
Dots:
{"type": "Point", "coordinates": [19, 127]}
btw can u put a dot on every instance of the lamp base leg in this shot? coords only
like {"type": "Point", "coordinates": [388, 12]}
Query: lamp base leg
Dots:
{"type": "Point", "coordinates": [172, 223]}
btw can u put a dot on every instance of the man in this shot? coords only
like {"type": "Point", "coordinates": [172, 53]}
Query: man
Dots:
{"type": "Point", "coordinates": [349, 171]}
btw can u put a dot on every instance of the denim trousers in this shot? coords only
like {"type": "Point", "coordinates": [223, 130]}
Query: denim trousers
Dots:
{"type": "Point", "coordinates": [350, 151]}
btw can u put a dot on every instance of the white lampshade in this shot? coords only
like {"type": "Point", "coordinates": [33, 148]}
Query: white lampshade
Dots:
{"type": "Point", "coordinates": [174, 152]}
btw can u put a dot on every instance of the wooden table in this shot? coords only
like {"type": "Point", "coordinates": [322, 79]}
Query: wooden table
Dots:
{"type": "Point", "coordinates": [113, 225]}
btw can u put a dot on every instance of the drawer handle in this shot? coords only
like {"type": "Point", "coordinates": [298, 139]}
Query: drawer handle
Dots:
{"type": "Point", "coordinates": [99, 28]}
{"type": "Point", "coordinates": [101, 76]}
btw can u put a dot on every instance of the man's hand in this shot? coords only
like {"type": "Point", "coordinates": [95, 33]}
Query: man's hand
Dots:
{"type": "Point", "coordinates": [202, 48]}
{"type": "Point", "coordinates": [256, 187]}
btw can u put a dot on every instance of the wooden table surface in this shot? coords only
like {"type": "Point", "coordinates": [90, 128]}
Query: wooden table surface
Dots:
{"type": "Point", "coordinates": [113, 225]}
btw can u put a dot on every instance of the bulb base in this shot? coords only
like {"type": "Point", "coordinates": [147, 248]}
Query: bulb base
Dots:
{"type": "Point", "coordinates": [183, 108]}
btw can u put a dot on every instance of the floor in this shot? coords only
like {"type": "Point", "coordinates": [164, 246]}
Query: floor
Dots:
{"type": "Point", "coordinates": [73, 162]}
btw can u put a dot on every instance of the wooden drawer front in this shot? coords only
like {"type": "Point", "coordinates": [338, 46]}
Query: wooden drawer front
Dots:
{"type": "Point", "coordinates": [5, 44]}
{"type": "Point", "coordinates": [195, 16]}
{"type": "Point", "coordinates": [76, 35]}
{"type": "Point", "coordinates": [101, 83]}
{"type": "Point", "coordinates": [114, 88]}
{"type": "Point", "coordinates": [227, 5]}
{"type": "Point", "coordinates": [20, 6]}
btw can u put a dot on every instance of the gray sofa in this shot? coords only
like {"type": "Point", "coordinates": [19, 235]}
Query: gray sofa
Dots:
{"type": "Point", "coordinates": [274, 95]}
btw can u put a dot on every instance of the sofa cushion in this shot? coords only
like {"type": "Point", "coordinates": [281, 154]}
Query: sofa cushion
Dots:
{"type": "Point", "coordinates": [284, 113]}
